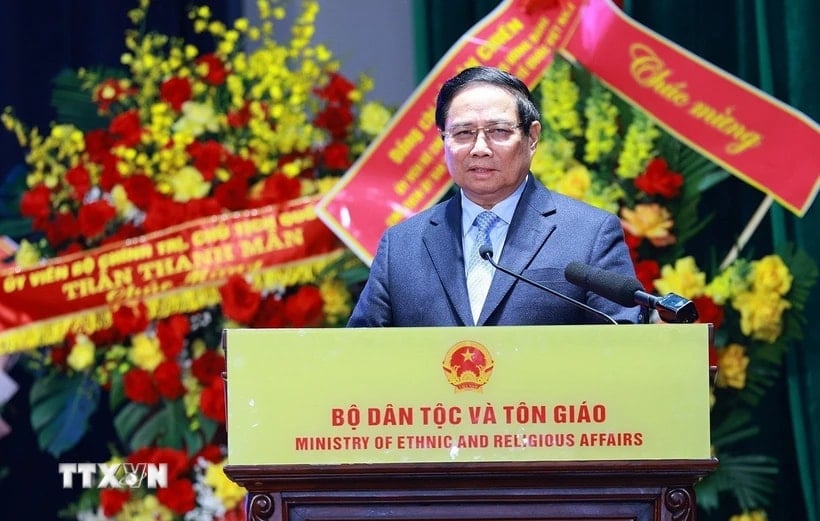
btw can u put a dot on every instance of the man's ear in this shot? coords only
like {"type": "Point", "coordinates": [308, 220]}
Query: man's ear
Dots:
{"type": "Point", "coordinates": [534, 134]}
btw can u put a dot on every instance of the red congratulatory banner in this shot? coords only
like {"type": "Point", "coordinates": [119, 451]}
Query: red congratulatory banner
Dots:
{"type": "Point", "coordinates": [756, 137]}
{"type": "Point", "coordinates": [175, 270]}
{"type": "Point", "coordinates": [402, 172]}
{"type": "Point", "coordinates": [753, 135]}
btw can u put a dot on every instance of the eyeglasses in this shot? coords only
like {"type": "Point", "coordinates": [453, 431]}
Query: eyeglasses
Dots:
{"type": "Point", "coordinates": [497, 134]}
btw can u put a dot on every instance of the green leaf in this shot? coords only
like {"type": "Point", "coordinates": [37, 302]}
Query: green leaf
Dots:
{"type": "Point", "coordinates": [60, 408]}
{"type": "Point", "coordinates": [117, 396]}
{"type": "Point", "coordinates": [72, 100]}
{"type": "Point", "coordinates": [749, 478]}
{"type": "Point", "coordinates": [736, 426]}
{"type": "Point", "coordinates": [129, 418]}
{"type": "Point", "coordinates": [12, 223]}
{"type": "Point", "coordinates": [163, 425]}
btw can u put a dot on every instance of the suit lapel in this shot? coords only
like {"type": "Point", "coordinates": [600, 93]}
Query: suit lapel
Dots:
{"type": "Point", "coordinates": [530, 227]}
{"type": "Point", "coordinates": [442, 238]}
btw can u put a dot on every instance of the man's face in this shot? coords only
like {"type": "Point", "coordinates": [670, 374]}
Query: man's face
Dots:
{"type": "Point", "coordinates": [489, 167]}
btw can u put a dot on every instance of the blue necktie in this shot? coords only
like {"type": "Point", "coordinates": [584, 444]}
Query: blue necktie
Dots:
{"type": "Point", "coordinates": [479, 271]}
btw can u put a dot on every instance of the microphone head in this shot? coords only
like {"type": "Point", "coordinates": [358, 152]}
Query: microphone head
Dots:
{"type": "Point", "coordinates": [577, 273]}
{"type": "Point", "coordinates": [613, 286]}
{"type": "Point", "coordinates": [485, 251]}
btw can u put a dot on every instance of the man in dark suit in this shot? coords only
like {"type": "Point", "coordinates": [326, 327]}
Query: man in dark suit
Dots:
{"type": "Point", "coordinates": [427, 270]}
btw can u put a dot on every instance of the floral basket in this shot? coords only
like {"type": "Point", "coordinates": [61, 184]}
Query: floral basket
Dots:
{"type": "Point", "coordinates": [597, 148]}
{"type": "Point", "coordinates": [183, 135]}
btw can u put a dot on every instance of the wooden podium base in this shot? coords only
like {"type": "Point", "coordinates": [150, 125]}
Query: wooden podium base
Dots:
{"type": "Point", "coordinates": [661, 490]}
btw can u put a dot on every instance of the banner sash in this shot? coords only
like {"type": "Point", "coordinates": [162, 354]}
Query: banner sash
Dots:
{"type": "Point", "coordinates": [754, 136]}
{"type": "Point", "coordinates": [172, 271]}
{"type": "Point", "coordinates": [402, 172]}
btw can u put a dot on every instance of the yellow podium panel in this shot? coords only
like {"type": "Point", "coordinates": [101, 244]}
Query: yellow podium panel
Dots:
{"type": "Point", "coordinates": [414, 395]}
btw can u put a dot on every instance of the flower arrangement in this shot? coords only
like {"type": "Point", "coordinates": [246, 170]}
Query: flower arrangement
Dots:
{"type": "Point", "coordinates": [183, 134]}
{"type": "Point", "coordinates": [597, 148]}
{"type": "Point", "coordinates": [189, 134]}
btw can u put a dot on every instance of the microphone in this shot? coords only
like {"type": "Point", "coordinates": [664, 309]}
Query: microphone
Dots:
{"type": "Point", "coordinates": [628, 291]}
{"type": "Point", "coordinates": [486, 253]}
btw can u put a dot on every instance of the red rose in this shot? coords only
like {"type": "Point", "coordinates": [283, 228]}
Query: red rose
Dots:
{"type": "Point", "coordinates": [142, 455]}
{"type": "Point", "coordinates": [62, 229]}
{"type": "Point", "coordinates": [208, 366]}
{"type": "Point", "coordinates": [708, 311]}
{"type": "Point", "coordinates": [232, 194]}
{"type": "Point", "coordinates": [215, 71]}
{"type": "Point", "coordinates": [93, 218]}
{"type": "Point", "coordinates": [36, 202]}
{"type": "Point", "coordinates": [196, 208]}
{"type": "Point", "coordinates": [659, 180]}
{"type": "Point", "coordinates": [112, 500]}
{"type": "Point", "coordinates": [129, 320]}
{"type": "Point", "coordinates": [632, 241]}
{"type": "Point", "coordinates": [305, 308]}
{"type": "Point", "coordinates": [140, 190]}
{"type": "Point", "coordinates": [80, 181]}
{"type": "Point", "coordinates": [647, 271]}
{"type": "Point", "coordinates": [110, 176]}
{"type": "Point", "coordinates": [239, 118]}
{"type": "Point", "coordinates": [171, 333]}
{"type": "Point", "coordinates": [98, 145]}
{"type": "Point", "coordinates": [107, 336]}
{"type": "Point", "coordinates": [210, 452]}
{"type": "Point", "coordinates": [239, 166]}
{"type": "Point", "coordinates": [271, 314]}
{"type": "Point", "coordinates": [175, 91]}
{"type": "Point", "coordinates": [337, 90]}
{"type": "Point", "coordinates": [179, 496]}
{"type": "Point", "coordinates": [139, 386]}
{"type": "Point", "coordinates": [59, 355]}
{"type": "Point", "coordinates": [212, 400]}
{"type": "Point", "coordinates": [168, 380]}
{"type": "Point", "coordinates": [336, 119]}
{"type": "Point", "coordinates": [162, 213]}
{"type": "Point", "coordinates": [176, 460]}
{"type": "Point", "coordinates": [239, 300]}
{"type": "Point", "coordinates": [207, 157]}
{"type": "Point", "coordinates": [110, 91]}
{"type": "Point", "coordinates": [126, 129]}
{"type": "Point", "coordinates": [336, 156]}
{"type": "Point", "coordinates": [279, 188]}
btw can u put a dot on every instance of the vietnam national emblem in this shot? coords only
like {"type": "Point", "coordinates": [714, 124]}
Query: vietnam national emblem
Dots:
{"type": "Point", "coordinates": [468, 366]}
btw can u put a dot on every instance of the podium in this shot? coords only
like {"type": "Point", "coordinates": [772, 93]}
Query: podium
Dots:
{"type": "Point", "coordinates": [500, 423]}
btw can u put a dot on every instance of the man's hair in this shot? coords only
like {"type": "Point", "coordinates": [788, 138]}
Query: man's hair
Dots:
{"type": "Point", "coordinates": [527, 110]}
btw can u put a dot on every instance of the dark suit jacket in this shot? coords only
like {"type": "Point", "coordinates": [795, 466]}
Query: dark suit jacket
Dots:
{"type": "Point", "coordinates": [417, 276]}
